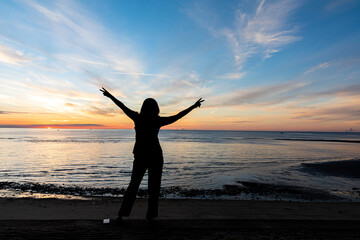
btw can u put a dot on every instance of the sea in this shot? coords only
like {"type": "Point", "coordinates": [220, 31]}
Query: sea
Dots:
{"type": "Point", "coordinates": [247, 165]}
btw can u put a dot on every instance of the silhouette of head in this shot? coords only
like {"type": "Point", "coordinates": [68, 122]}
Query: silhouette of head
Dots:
{"type": "Point", "coordinates": [150, 108]}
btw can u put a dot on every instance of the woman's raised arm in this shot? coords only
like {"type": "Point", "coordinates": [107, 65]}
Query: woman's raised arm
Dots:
{"type": "Point", "coordinates": [169, 120]}
{"type": "Point", "coordinates": [130, 113]}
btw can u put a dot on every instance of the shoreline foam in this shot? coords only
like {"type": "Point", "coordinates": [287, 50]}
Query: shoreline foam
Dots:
{"type": "Point", "coordinates": [242, 190]}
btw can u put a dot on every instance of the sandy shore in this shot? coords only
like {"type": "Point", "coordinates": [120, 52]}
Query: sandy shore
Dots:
{"type": "Point", "coordinates": [179, 219]}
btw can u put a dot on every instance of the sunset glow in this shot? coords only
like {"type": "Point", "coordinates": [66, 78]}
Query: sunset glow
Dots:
{"type": "Point", "coordinates": [259, 65]}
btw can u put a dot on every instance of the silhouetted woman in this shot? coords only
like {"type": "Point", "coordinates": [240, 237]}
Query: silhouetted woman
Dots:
{"type": "Point", "coordinates": [147, 152]}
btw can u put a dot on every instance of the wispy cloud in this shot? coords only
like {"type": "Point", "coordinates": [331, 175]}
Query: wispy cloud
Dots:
{"type": "Point", "coordinates": [57, 120]}
{"type": "Point", "coordinates": [339, 5]}
{"type": "Point", "coordinates": [11, 112]}
{"type": "Point", "coordinates": [143, 74]}
{"type": "Point", "coordinates": [260, 96]}
{"type": "Point", "coordinates": [49, 125]}
{"type": "Point", "coordinates": [349, 90]}
{"type": "Point", "coordinates": [12, 56]}
{"type": "Point", "coordinates": [238, 75]}
{"type": "Point", "coordinates": [261, 28]}
{"type": "Point", "coordinates": [182, 88]}
{"type": "Point", "coordinates": [91, 44]}
{"type": "Point", "coordinates": [65, 93]}
{"type": "Point", "coordinates": [81, 60]}
{"type": "Point", "coordinates": [331, 113]}
{"type": "Point", "coordinates": [317, 67]}
{"type": "Point", "coordinates": [110, 112]}
{"type": "Point", "coordinates": [263, 31]}
{"type": "Point", "coordinates": [279, 93]}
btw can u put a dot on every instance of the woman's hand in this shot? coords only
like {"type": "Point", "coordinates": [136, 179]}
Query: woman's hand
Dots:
{"type": "Point", "coordinates": [105, 92]}
{"type": "Point", "coordinates": [198, 103]}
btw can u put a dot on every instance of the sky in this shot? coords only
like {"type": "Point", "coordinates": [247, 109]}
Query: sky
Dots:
{"type": "Point", "coordinates": [260, 65]}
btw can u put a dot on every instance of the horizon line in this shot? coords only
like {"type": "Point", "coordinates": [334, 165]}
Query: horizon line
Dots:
{"type": "Point", "coordinates": [96, 126]}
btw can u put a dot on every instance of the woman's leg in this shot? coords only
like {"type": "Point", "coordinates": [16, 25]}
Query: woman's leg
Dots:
{"type": "Point", "coordinates": [154, 183]}
{"type": "Point", "coordinates": [137, 174]}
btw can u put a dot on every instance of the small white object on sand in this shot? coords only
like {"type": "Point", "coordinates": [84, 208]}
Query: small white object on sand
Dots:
{"type": "Point", "coordinates": [106, 221]}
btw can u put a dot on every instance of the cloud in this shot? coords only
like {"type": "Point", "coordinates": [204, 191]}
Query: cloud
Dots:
{"type": "Point", "coordinates": [295, 91]}
{"type": "Point", "coordinates": [12, 56]}
{"type": "Point", "coordinates": [56, 120]}
{"type": "Point", "coordinates": [182, 88]}
{"type": "Point", "coordinates": [81, 60]}
{"type": "Point", "coordinates": [87, 41]}
{"type": "Point", "coordinates": [11, 112]}
{"type": "Point", "coordinates": [50, 81]}
{"type": "Point", "coordinates": [339, 5]}
{"type": "Point", "coordinates": [67, 93]}
{"type": "Point", "coordinates": [317, 67]}
{"type": "Point", "coordinates": [260, 28]}
{"type": "Point", "coordinates": [235, 122]}
{"type": "Point", "coordinates": [98, 111]}
{"type": "Point", "coordinates": [260, 96]}
{"type": "Point", "coordinates": [337, 113]}
{"type": "Point", "coordinates": [349, 90]}
{"type": "Point", "coordinates": [69, 105]}
{"type": "Point", "coordinates": [263, 31]}
{"type": "Point", "coordinates": [48, 125]}
{"type": "Point", "coordinates": [143, 74]}
{"type": "Point", "coordinates": [238, 75]}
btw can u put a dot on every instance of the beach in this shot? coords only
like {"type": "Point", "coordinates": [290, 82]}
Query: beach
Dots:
{"type": "Point", "coordinates": [215, 185]}
{"type": "Point", "coordinates": [29, 218]}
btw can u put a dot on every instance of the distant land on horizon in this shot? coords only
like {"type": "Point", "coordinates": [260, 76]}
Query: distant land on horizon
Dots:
{"type": "Point", "coordinates": [95, 126]}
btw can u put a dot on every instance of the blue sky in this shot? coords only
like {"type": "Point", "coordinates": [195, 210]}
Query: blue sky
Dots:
{"type": "Point", "coordinates": [260, 65]}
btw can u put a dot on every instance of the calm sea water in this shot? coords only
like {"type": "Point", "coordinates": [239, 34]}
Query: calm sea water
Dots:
{"type": "Point", "coordinates": [193, 159]}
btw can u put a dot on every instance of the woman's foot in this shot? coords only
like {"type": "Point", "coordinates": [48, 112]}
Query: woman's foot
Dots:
{"type": "Point", "coordinates": [119, 220]}
{"type": "Point", "coordinates": [150, 219]}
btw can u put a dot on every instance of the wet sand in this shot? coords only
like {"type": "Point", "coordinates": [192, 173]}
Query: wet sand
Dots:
{"type": "Point", "coordinates": [179, 219]}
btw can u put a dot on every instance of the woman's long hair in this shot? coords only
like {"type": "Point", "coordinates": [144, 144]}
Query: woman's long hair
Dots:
{"type": "Point", "coordinates": [150, 108]}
